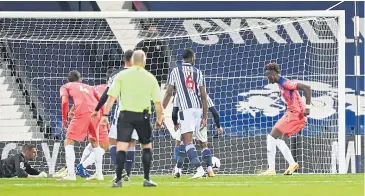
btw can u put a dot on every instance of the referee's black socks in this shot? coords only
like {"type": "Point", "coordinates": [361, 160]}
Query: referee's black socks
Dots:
{"type": "Point", "coordinates": [146, 160]}
{"type": "Point", "coordinates": [121, 156]}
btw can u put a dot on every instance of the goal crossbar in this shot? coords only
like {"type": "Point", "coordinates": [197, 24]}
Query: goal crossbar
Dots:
{"type": "Point", "coordinates": [169, 14]}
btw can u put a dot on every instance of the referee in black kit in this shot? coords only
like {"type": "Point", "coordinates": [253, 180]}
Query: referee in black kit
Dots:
{"type": "Point", "coordinates": [136, 87]}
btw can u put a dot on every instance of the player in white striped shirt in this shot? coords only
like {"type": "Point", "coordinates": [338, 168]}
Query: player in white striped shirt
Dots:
{"type": "Point", "coordinates": [199, 135]}
{"type": "Point", "coordinates": [189, 83]}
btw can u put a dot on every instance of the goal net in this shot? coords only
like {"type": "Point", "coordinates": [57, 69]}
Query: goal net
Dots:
{"type": "Point", "coordinates": [231, 49]}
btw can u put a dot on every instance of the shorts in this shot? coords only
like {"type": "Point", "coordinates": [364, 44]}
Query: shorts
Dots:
{"type": "Point", "coordinates": [291, 123]}
{"type": "Point", "coordinates": [102, 133]}
{"type": "Point", "coordinates": [82, 126]}
{"type": "Point", "coordinates": [134, 121]}
{"type": "Point", "coordinates": [201, 135]}
{"type": "Point", "coordinates": [190, 120]}
{"type": "Point", "coordinates": [113, 133]}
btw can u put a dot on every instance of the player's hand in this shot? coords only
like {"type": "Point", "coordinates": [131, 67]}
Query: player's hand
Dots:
{"type": "Point", "coordinates": [160, 122]}
{"type": "Point", "coordinates": [94, 114]}
{"type": "Point", "coordinates": [159, 125]}
{"type": "Point", "coordinates": [220, 130]}
{"type": "Point", "coordinates": [177, 127]}
{"type": "Point", "coordinates": [203, 123]}
{"type": "Point", "coordinates": [104, 122]}
{"type": "Point", "coordinates": [307, 112]}
{"type": "Point", "coordinates": [64, 125]}
{"type": "Point", "coordinates": [43, 175]}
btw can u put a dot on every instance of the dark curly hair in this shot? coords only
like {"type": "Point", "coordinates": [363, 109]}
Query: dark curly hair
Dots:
{"type": "Point", "coordinates": [272, 67]}
{"type": "Point", "coordinates": [74, 76]}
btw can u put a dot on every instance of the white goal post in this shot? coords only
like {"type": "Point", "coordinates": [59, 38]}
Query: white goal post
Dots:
{"type": "Point", "coordinates": [40, 48]}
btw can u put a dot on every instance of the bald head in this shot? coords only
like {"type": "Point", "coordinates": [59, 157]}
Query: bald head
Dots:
{"type": "Point", "coordinates": [139, 58]}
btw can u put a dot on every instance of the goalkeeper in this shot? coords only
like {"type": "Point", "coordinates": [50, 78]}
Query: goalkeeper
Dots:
{"type": "Point", "coordinates": [202, 137]}
{"type": "Point", "coordinates": [18, 166]}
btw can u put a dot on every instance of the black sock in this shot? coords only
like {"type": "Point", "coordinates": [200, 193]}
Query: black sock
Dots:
{"type": "Point", "coordinates": [146, 160]}
{"type": "Point", "coordinates": [121, 155]}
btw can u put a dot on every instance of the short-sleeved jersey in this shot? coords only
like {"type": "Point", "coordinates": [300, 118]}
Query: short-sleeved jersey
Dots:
{"type": "Point", "coordinates": [136, 88]}
{"type": "Point", "coordinates": [99, 89]}
{"type": "Point", "coordinates": [113, 75]}
{"type": "Point", "coordinates": [187, 79]}
{"type": "Point", "coordinates": [116, 109]}
{"type": "Point", "coordinates": [177, 102]}
{"type": "Point", "coordinates": [291, 95]}
{"type": "Point", "coordinates": [83, 96]}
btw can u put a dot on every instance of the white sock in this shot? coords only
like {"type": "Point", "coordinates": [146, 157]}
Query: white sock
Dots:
{"type": "Point", "coordinates": [209, 168]}
{"type": "Point", "coordinates": [70, 159]}
{"type": "Point", "coordinates": [88, 149]}
{"type": "Point", "coordinates": [285, 151]}
{"type": "Point", "coordinates": [90, 160]}
{"type": "Point", "coordinates": [99, 152]}
{"type": "Point", "coordinates": [200, 169]}
{"type": "Point", "coordinates": [271, 151]}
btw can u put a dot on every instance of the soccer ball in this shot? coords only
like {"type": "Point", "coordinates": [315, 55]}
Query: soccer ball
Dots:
{"type": "Point", "coordinates": [216, 163]}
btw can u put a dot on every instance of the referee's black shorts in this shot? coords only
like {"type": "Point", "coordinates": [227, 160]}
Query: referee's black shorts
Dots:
{"type": "Point", "coordinates": [129, 121]}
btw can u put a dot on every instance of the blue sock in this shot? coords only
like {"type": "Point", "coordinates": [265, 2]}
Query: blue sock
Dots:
{"type": "Point", "coordinates": [193, 155]}
{"type": "Point", "coordinates": [176, 153]}
{"type": "Point", "coordinates": [207, 156]}
{"type": "Point", "coordinates": [130, 160]}
{"type": "Point", "coordinates": [181, 156]}
{"type": "Point", "coordinates": [113, 153]}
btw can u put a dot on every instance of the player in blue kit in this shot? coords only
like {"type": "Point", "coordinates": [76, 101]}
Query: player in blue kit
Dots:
{"type": "Point", "coordinates": [189, 83]}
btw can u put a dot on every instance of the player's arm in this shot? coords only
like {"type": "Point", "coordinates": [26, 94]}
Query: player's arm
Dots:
{"type": "Point", "coordinates": [307, 94]}
{"type": "Point", "coordinates": [156, 98]}
{"type": "Point", "coordinates": [64, 104]}
{"type": "Point", "coordinates": [292, 85]}
{"type": "Point", "coordinates": [71, 113]}
{"type": "Point", "coordinates": [72, 109]}
{"type": "Point", "coordinates": [33, 173]}
{"type": "Point", "coordinates": [102, 100]}
{"type": "Point", "coordinates": [215, 114]}
{"type": "Point", "coordinates": [19, 164]}
{"type": "Point", "coordinates": [30, 170]}
{"type": "Point", "coordinates": [175, 111]}
{"type": "Point", "coordinates": [201, 83]}
{"type": "Point", "coordinates": [170, 88]}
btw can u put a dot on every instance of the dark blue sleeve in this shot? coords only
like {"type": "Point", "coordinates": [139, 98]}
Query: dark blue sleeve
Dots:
{"type": "Point", "coordinates": [174, 116]}
{"type": "Point", "coordinates": [103, 99]}
{"type": "Point", "coordinates": [215, 116]}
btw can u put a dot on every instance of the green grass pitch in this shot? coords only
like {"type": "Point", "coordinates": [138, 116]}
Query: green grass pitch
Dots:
{"type": "Point", "coordinates": [295, 185]}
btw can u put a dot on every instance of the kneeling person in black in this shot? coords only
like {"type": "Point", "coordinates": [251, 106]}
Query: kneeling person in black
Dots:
{"type": "Point", "coordinates": [18, 166]}
{"type": "Point", "coordinates": [135, 87]}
